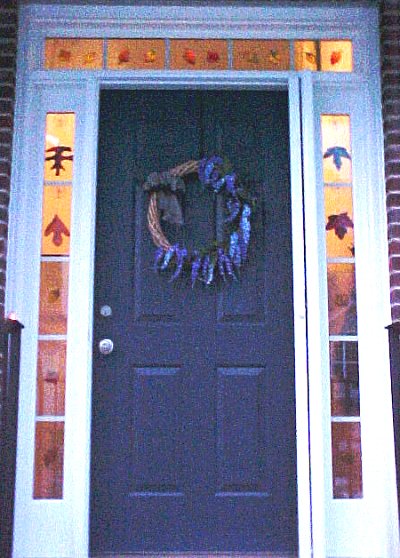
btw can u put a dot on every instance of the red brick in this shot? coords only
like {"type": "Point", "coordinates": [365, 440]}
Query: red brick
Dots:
{"type": "Point", "coordinates": [393, 200]}
{"type": "Point", "coordinates": [392, 168]}
{"type": "Point", "coordinates": [5, 167]}
{"type": "Point", "coordinates": [6, 121]}
{"type": "Point", "coordinates": [6, 105]}
{"type": "Point", "coordinates": [5, 151]}
{"type": "Point", "coordinates": [7, 91]}
{"type": "Point", "coordinates": [394, 215]}
{"type": "Point", "coordinates": [5, 136]}
{"type": "Point", "coordinates": [394, 247]}
{"type": "Point", "coordinates": [7, 61]}
{"type": "Point", "coordinates": [4, 183]}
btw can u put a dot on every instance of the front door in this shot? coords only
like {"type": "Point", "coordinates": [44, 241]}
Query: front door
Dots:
{"type": "Point", "coordinates": [193, 433]}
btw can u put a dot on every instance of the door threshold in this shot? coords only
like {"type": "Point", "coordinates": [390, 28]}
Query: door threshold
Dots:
{"type": "Point", "coordinates": [199, 555]}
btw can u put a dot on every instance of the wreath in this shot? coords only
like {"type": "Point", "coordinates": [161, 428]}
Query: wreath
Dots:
{"type": "Point", "coordinates": [220, 259]}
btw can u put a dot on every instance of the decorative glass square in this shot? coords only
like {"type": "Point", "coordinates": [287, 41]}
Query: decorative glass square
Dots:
{"type": "Point", "coordinates": [342, 299]}
{"type": "Point", "coordinates": [60, 132]}
{"type": "Point", "coordinates": [53, 301]}
{"type": "Point", "coordinates": [79, 54]}
{"type": "Point", "coordinates": [199, 54]}
{"type": "Point", "coordinates": [336, 56]}
{"type": "Point", "coordinates": [56, 220]}
{"type": "Point", "coordinates": [49, 460]}
{"type": "Point", "coordinates": [51, 378]}
{"type": "Point", "coordinates": [336, 148]}
{"type": "Point", "coordinates": [345, 393]}
{"type": "Point", "coordinates": [306, 55]}
{"type": "Point", "coordinates": [261, 55]}
{"type": "Point", "coordinates": [339, 224]}
{"type": "Point", "coordinates": [136, 54]}
{"type": "Point", "coordinates": [346, 460]}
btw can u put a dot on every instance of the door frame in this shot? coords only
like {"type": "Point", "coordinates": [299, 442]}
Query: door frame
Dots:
{"type": "Point", "coordinates": [39, 91]}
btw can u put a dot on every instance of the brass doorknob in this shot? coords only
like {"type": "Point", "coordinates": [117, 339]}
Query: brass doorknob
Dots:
{"type": "Point", "coordinates": [106, 346]}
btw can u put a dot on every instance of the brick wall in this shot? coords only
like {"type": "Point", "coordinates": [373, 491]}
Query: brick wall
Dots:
{"type": "Point", "coordinates": [8, 47]}
{"type": "Point", "coordinates": [390, 50]}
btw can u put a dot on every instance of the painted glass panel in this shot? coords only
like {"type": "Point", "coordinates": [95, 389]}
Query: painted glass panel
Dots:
{"type": "Point", "coordinates": [197, 54]}
{"type": "Point", "coordinates": [261, 55]}
{"type": "Point", "coordinates": [56, 220]}
{"type": "Point", "coordinates": [136, 54]}
{"type": "Point", "coordinates": [342, 299]}
{"type": "Point", "coordinates": [306, 55]}
{"type": "Point", "coordinates": [49, 460]}
{"type": "Point", "coordinates": [60, 130]}
{"type": "Point", "coordinates": [336, 56]}
{"type": "Point", "coordinates": [339, 221]}
{"type": "Point", "coordinates": [82, 54]}
{"type": "Point", "coordinates": [346, 460]}
{"type": "Point", "coordinates": [53, 297]}
{"type": "Point", "coordinates": [336, 148]}
{"type": "Point", "coordinates": [51, 378]}
{"type": "Point", "coordinates": [345, 395]}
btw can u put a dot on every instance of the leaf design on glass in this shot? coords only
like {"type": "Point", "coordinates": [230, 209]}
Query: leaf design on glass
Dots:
{"type": "Point", "coordinates": [59, 157]}
{"type": "Point", "coordinates": [336, 57]}
{"type": "Point", "coordinates": [339, 223]}
{"type": "Point", "coordinates": [57, 229]}
{"type": "Point", "coordinates": [337, 153]}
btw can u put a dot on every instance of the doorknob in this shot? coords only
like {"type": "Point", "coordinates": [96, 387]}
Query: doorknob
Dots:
{"type": "Point", "coordinates": [106, 346]}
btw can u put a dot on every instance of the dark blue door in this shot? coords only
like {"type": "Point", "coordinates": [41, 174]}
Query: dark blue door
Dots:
{"type": "Point", "coordinates": [193, 444]}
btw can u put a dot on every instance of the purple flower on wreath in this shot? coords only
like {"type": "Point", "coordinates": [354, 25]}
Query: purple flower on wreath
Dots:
{"type": "Point", "coordinates": [158, 256]}
{"type": "Point", "coordinates": [208, 173]}
{"type": "Point", "coordinates": [245, 229]}
{"type": "Point", "coordinates": [167, 258]}
{"type": "Point", "coordinates": [195, 267]}
{"type": "Point", "coordinates": [180, 254]}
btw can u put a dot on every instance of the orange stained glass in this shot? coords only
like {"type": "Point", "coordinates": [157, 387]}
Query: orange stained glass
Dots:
{"type": "Point", "coordinates": [261, 55]}
{"type": "Point", "coordinates": [51, 378]}
{"type": "Point", "coordinates": [60, 140]}
{"type": "Point", "coordinates": [339, 222]}
{"type": "Point", "coordinates": [136, 54]}
{"type": "Point", "coordinates": [342, 307]}
{"type": "Point", "coordinates": [56, 220]}
{"type": "Point", "coordinates": [306, 55]}
{"type": "Point", "coordinates": [199, 54]}
{"type": "Point", "coordinates": [53, 297]}
{"type": "Point", "coordinates": [336, 56]}
{"type": "Point", "coordinates": [346, 460]}
{"type": "Point", "coordinates": [49, 460]}
{"type": "Point", "coordinates": [80, 54]}
{"type": "Point", "coordinates": [336, 148]}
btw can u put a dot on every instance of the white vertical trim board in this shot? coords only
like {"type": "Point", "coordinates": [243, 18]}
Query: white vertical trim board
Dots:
{"type": "Point", "coordinates": [340, 529]}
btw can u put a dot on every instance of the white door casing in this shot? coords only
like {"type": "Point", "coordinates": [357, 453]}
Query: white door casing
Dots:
{"type": "Point", "coordinates": [365, 528]}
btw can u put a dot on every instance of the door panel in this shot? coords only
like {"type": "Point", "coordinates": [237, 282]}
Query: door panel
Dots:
{"type": "Point", "coordinates": [193, 444]}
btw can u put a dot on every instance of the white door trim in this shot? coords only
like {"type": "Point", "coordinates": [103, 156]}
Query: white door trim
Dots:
{"type": "Point", "coordinates": [60, 528]}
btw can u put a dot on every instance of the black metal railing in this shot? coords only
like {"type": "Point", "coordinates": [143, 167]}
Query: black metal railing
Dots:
{"type": "Point", "coordinates": [10, 340]}
{"type": "Point", "coordinates": [394, 344]}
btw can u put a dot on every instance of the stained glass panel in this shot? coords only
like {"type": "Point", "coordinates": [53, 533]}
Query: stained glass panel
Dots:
{"type": "Point", "coordinates": [51, 378]}
{"type": "Point", "coordinates": [346, 460]}
{"type": "Point", "coordinates": [198, 54]}
{"type": "Point", "coordinates": [60, 131]}
{"type": "Point", "coordinates": [306, 55]}
{"type": "Point", "coordinates": [82, 54]}
{"type": "Point", "coordinates": [261, 55]}
{"type": "Point", "coordinates": [336, 148]}
{"type": "Point", "coordinates": [53, 297]}
{"type": "Point", "coordinates": [342, 299]}
{"type": "Point", "coordinates": [49, 460]}
{"type": "Point", "coordinates": [136, 54]}
{"type": "Point", "coordinates": [339, 222]}
{"type": "Point", "coordinates": [336, 56]}
{"type": "Point", "coordinates": [345, 394]}
{"type": "Point", "coordinates": [56, 220]}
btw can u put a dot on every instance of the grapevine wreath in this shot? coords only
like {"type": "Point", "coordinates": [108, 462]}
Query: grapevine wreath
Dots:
{"type": "Point", "coordinates": [220, 259]}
